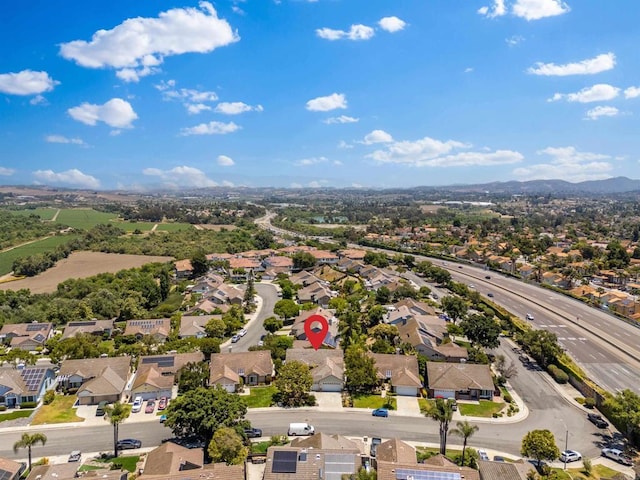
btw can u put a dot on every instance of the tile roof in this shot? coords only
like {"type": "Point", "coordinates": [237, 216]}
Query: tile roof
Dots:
{"type": "Point", "coordinates": [170, 458]}
{"type": "Point", "coordinates": [458, 376]}
{"type": "Point", "coordinates": [228, 365]}
{"type": "Point", "coordinates": [393, 471]}
{"type": "Point", "coordinates": [92, 327]}
{"type": "Point", "coordinates": [404, 369]}
{"type": "Point", "coordinates": [323, 362]}
{"type": "Point", "coordinates": [504, 470]}
{"type": "Point", "coordinates": [151, 326]}
{"type": "Point", "coordinates": [396, 451]}
{"type": "Point", "coordinates": [193, 325]}
{"type": "Point", "coordinates": [101, 376]}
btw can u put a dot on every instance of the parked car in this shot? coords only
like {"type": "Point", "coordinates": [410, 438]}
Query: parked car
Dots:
{"type": "Point", "coordinates": [75, 456]}
{"type": "Point", "coordinates": [529, 316]}
{"type": "Point", "coordinates": [597, 420]}
{"type": "Point", "coordinates": [472, 285]}
{"type": "Point", "coordinates": [570, 456]}
{"type": "Point", "coordinates": [488, 277]}
{"type": "Point", "coordinates": [253, 432]}
{"type": "Point", "coordinates": [454, 404]}
{"type": "Point", "coordinates": [498, 458]}
{"type": "Point", "coordinates": [151, 406]}
{"type": "Point", "coordinates": [617, 455]}
{"type": "Point", "coordinates": [242, 332]}
{"type": "Point", "coordinates": [137, 405]}
{"type": "Point", "coordinates": [261, 343]}
{"type": "Point", "coordinates": [128, 444]}
{"type": "Point", "coordinates": [235, 339]}
{"type": "Point", "coordinates": [100, 409]}
{"type": "Point", "coordinates": [490, 295]}
{"type": "Point", "coordinates": [375, 441]}
{"type": "Point", "coordinates": [163, 418]}
{"type": "Point", "coordinates": [162, 404]}
{"type": "Point", "coordinates": [380, 412]}
{"type": "Point", "coordinates": [482, 454]}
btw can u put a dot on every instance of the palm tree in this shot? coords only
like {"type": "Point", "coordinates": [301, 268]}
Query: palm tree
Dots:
{"type": "Point", "coordinates": [442, 412]}
{"type": "Point", "coordinates": [466, 431]}
{"type": "Point", "coordinates": [27, 441]}
{"type": "Point", "coordinates": [116, 414]}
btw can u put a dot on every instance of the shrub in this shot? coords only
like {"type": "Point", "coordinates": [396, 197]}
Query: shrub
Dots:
{"type": "Point", "coordinates": [557, 374]}
{"type": "Point", "coordinates": [587, 466]}
{"type": "Point", "coordinates": [49, 396]}
{"type": "Point", "coordinates": [507, 397]}
{"type": "Point", "coordinates": [28, 404]}
{"type": "Point", "coordinates": [3, 408]}
{"type": "Point", "coordinates": [580, 400]}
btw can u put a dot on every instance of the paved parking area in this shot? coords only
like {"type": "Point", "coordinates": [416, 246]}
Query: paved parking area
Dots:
{"type": "Point", "coordinates": [329, 401]}
{"type": "Point", "coordinates": [408, 406]}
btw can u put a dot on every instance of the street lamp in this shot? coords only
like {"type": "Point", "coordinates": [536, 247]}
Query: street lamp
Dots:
{"type": "Point", "coordinates": [566, 443]}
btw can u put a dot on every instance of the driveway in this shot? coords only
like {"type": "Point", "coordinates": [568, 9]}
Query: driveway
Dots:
{"type": "Point", "coordinates": [329, 401]}
{"type": "Point", "coordinates": [408, 406]}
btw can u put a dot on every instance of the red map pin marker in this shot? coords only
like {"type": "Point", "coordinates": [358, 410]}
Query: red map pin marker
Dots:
{"type": "Point", "coordinates": [316, 333]}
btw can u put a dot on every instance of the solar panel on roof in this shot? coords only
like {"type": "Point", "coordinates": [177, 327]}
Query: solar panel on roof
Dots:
{"type": "Point", "coordinates": [285, 461]}
{"type": "Point", "coordinates": [160, 361]}
{"type": "Point", "coordinates": [81, 324]}
{"type": "Point", "coordinates": [34, 327]}
{"type": "Point", "coordinates": [32, 378]}
{"type": "Point", "coordinates": [406, 474]}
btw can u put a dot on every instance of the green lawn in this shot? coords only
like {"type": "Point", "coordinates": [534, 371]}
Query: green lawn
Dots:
{"type": "Point", "coordinates": [126, 463]}
{"type": "Point", "coordinates": [39, 246]}
{"type": "Point", "coordinates": [15, 414]}
{"type": "Point", "coordinates": [59, 411]}
{"type": "Point", "coordinates": [426, 405]}
{"type": "Point", "coordinates": [83, 218]}
{"type": "Point", "coordinates": [598, 472]}
{"type": "Point", "coordinates": [486, 408]}
{"type": "Point", "coordinates": [260, 447]}
{"type": "Point", "coordinates": [260, 396]}
{"type": "Point", "coordinates": [374, 401]}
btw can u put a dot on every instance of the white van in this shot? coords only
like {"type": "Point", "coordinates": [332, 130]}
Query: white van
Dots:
{"type": "Point", "coordinates": [137, 405]}
{"type": "Point", "coordinates": [300, 429]}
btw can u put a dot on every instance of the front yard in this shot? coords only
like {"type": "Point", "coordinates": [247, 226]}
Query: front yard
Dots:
{"type": "Point", "coordinates": [426, 405]}
{"type": "Point", "coordinates": [374, 401]}
{"type": "Point", "coordinates": [260, 397]}
{"type": "Point", "coordinates": [125, 463]}
{"type": "Point", "coordinates": [59, 411]}
{"type": "Point", "coordinates": [15, 414]}
{"type": "Point", "coordinates": [598, 472]}
{"type": "Point", "coordinates": [486, 408]}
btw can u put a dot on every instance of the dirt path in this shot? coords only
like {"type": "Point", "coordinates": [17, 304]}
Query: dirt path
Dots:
{"type": "Point", "coordinates": [55, 217]}
{"type": "Point", "coordinates": [155, 225]}
{"type": "Point", "coordinates": [25, 243]}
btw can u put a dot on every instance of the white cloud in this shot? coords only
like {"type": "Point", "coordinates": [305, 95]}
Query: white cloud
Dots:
{"type": "Point", "coordinates": [138, 45]}
{"type": "Point", "coordinates": [569, 164]}
{"type": "Point", "coordinates": [514, 40]}
{"type": "Point", "coordinates": [115, 113]}
{"type": "Point", "coordinates": [238, 10]}
{"type": "Point", "coordinates": [195, 101]}
{"type": "Point", "coordinates": [315, 184]}
{"type": "Point", "coordinates": [537, 9]}
{"type": "Point", "coordinates": [63, 139]}
{"type": "Point", "coordinates": [468, 70]}
{"type": "Point", "coordinates": [182, 176]}
{"type": "Point", "coordinates": [306, 162]}
{"type": "Point", "coordinates": [38, 100]}
{"type": "Point", "coordinates": [235, 108]}
{"type": "Point", "coordinates": [195, 108]}
{"type": "Point", "coordinates": [26, 82]}
{"type": "Point", "coordinates": [429, 152]}
{"type": "Point", "coordinates": [227, 183]}
{"type": "Point", "coordinates": [73, 177]}
{"type": "Point", "coordinates": [356, 32]}
{"type": "Point", "coordinates": [597, 93]}
{"type": "Point", "coordinates": [590, 66]}
{"type": "Point", "coordinates": [392, 24]}
{"type": "Point", "coordinates": [498, 9]}
{"type": "Point", "coordinates": [328, 103]}
{"type": "Point", "coordinates": [211, 128]}
{"type": "Point", "coordinates": [225, 161]}
{"type": "Point", "coordinates": [6, 172]}
{"type": "Point", "coordinates": [342, 144]}
{"type": "Point", "coordinates": [602, 111]}
{"type": "Point", "coordinates": [341, 119]}
{"type": "Point", "coordinates": [377, 136]}
{"type": "Point", "coordinates": [632, 92]}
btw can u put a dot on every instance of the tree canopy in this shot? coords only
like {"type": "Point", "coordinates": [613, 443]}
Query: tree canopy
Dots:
{"type": "Point", "coordinates": [540, 445]}
{"type": "Point", "coordinates": [293, 383]}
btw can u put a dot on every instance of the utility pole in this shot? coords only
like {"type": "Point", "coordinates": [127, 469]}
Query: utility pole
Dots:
{"type": "Point", "coordinates": [566, 446]}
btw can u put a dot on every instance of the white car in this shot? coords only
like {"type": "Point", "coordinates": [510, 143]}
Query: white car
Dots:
{"type": "Point", "coordinates": [529, 316]}
{"type": "Point", "coordinates": [617, 455]}
{"type": "Point", "coordinates": [137, 405]}
{"type": "Point", "coordinates": [242, 332]}
{"type": "Point", "coordinates": [483, 455]}
{"type": "Point", "coordinates": [570, 456]}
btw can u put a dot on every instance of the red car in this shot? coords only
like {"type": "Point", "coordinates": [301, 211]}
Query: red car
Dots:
{"type": "Point", "coordinates": [151, 406]}
{"type": "Point", "coordinates": [162, 404]}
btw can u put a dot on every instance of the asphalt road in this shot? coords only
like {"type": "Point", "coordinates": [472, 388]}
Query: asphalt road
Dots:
{"type": "Point", "coordinates": [269, 295]}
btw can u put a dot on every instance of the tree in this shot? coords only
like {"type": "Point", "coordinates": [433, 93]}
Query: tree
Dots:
{"type": "Point", "coordinates": [303, 260]}
{"type": "Point", "coordinates": [272, 324]}
{"type": "Point", "coordinates": [215, 328]}
{"type": "Point", "coordinates": [466, 431]}
{"type": "Point", "coordinates": [227, 446]}
{"type": "Point", "coordinates": [200, 412]}
{"type": "Point", "coordinates": [233, 319]}
{"type": "Point", "coordinates": [454, 306]}
{"type": "Point", "coordinates": [199, 263]}
{"type": "Point", "coordinates": [360, 370]}
{"type": "Point", "coordinates": [442, 413]}
{"type": "Point", "coordinates": [482, 330]}
{"type": "Point", "coordinates": [27, 441]}
{"type": "Point", "coordinates": [440, 275]}
{"type": "Point", "coordinates": [383, 295]}
{"type": "Point", "coordinates": [506, 370]}
{"type": "Point", "coordinates": [625, 407]}
{"type": "Point", "coordinates": [116, 414]}
{"type": "Point", "coordinates": [249, 292]}
{"type": "Point", "coordinates": [375, 315]}
{"type": "Point", "coordinates": [543, 346]}
{"type": "Point", "coordinates": [293, 383]}
{"type": "Point", "coordinates": [208, 346]}
{"type": "Point", "coordinates": [193, 375]}
{"type": "Point", "coordinates": [539, 445]}
{"type": "Point", "coordinates": [286, 308]}
{"type": "Point", "coordinates": [263, 239]}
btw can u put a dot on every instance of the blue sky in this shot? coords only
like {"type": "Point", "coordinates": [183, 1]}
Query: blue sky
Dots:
{"type": "Point", "coordinates": [300, 93]}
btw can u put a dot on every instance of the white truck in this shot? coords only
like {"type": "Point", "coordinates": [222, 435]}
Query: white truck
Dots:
{"type": "Point", "coordinates": [300, 429]}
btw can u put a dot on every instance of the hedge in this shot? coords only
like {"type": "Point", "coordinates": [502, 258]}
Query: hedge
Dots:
{"type": "Point", "coordinates": [558, 375]}
{"type": "Point", "coordinates": [28, 404]}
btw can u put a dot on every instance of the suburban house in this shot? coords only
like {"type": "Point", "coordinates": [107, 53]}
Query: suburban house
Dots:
{"type": "Point", "coordinates": [317, 293]}
{"type": "Point", "coordinates": [324, 257]}
{"type": "Point", "coordinates": [183, 269]}
{"type": "Point", "coordinates": [171, 458]}
{"type": "Point", "coordinates": [69, 471]}
{"type": "Point", "coordinates": [327, 367]}
{"type": "Point", "coordinates": [279, 263]}
{"type": "Point", "coordinates": [25, 384]}
{"type": "Point", "coordinates": [331, 339]}
{"type": "Point", "coordinates": [10, 470]}
{"type": "Point", "coordinates": [426, 335]}
{"type": "Point", "coordinates": [349, 265]}
{"type": "Point", "coordinates": [158, 328]}
{"type": "Point", "coordinates": [232, 370]}
{"type": "Point", "coordinates": [401, 371]}
{"type": "Point", "coordinates": [26, 336]}
{"type": "Point", "coordinates": [437, 466]}
{"type": "Point", "coordinates": [504, 470]}
{"type": "Point", "coordinates": [395, 450]}
{"type": "Point", "coordinates": [97, 379]}
{"type": "Point", "coordinates": [226, 293]}
{"type": "Point", "coordinates": [416, 307]}
{"type": "Point", "coordinates": [463, 381]}
{"type": "Point", "coordinates": [192, 326]}
{"type": "Point", "coordinates": [241, 269]}
{"type": "Point", "coordinates": [89, 327]}
{"type": "Point", "coordinates": [305, 460]}
{"type": "Point", "coordinates": [156, 374]}
{"type": "Point", "coordinates": [303, 278]}
{"type": "Point", "coordinates": [352, 254]}
{"type": "Point", "coordinates": [206, 284]}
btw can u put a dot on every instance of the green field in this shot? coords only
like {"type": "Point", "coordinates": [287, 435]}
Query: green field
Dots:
{"type": "Point", "coordinates": [173, 227]}
{"type": "Point", "coordinates": [39, 246]}
{"type": "Point", "coordinates": [133, 226]}
{"type": "Point", "coordinates": [43, 213]}
{"type": "Point", "coordinates": [83, 218]}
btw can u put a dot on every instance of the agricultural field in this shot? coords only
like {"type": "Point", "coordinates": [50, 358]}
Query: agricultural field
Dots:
{"type": "Point", "coordinates": [80, 265]}
{"type": "Point", "coordinates": [174, 227]}
{"type": "Point", "coordinates": [83, 218]}
{"type": "Point", "coordinates": [45, 213]}
{"type": "Point", "coordinates": [37, 246]}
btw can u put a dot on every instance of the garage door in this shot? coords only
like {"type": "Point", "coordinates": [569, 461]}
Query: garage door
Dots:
{"type": "Point", "coordinates": [444, 393]}
{"type": "Point", "coordinates": [407, 391]}
{"type": "Point", "coordinates": [329, 387]}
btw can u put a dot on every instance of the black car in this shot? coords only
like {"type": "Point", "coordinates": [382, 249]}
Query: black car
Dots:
{"type": "Point", "coordinates": [253, 432]}
{"type": "Point", "coordinates": [488, 277]}
{"type": "Point", "coordinates": [375, 441]}
{"type": "Point", "coordinates": [129, 443]}
{"type": "Point", "coordinates": [597, 420]}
